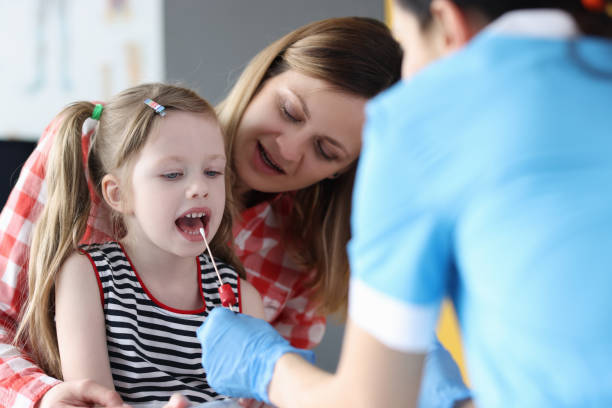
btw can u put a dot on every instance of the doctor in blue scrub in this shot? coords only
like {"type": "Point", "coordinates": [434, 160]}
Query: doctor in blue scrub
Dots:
{"type": "Point", "coordinates": [486, 177]}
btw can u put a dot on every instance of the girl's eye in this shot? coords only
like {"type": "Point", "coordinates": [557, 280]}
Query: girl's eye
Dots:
{"type": "Point", "coordinates": [212, 173]}
{"type": "Point", "coordinates": [287, 114]}
{"type": "Point", "coordinates": [323, 152]}
{"type": "Point", "coordinates": [172, 175]}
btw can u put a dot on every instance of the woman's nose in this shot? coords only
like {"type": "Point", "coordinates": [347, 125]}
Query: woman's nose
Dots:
{"type": "Point", "coordinates": [291, 146]}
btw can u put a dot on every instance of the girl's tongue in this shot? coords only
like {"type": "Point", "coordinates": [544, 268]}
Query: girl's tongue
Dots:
{"type": "Point", "coordinates": [191, 225]}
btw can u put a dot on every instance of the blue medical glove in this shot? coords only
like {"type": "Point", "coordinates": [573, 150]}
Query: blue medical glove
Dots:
{"type": "Point", "coordinates": [442, 385]}
{"type": "Point", "coordinates": [239, 353]}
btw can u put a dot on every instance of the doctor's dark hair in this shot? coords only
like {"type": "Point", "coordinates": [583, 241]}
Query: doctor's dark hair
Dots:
{"type": "Point", "coordinates": [357, 56]}
{"type": "Point", "coordinates": [124, 127]}
{"type": "Point", "coordinates": [589, 22]}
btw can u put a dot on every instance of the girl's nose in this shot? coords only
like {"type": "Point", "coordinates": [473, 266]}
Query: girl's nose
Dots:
{"type": "Point", "coordinates": [197, 189]}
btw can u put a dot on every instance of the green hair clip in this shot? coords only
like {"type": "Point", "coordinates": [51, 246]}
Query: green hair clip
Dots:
{"type": "Point", "coordinates": [97, 112]}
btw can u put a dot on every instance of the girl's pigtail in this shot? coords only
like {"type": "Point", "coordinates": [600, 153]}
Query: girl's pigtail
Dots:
{"type": "Point", "coordinates": [57, 233]}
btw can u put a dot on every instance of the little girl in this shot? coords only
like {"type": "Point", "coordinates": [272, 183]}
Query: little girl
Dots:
{"type": "Point", "coordinates": [124, 313]}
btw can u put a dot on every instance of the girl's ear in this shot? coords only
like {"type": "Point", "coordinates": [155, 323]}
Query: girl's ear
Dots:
{"type": "Point", "coordinates": [452, 24]}
{"type": "Point", "coordinates": [111, 191]}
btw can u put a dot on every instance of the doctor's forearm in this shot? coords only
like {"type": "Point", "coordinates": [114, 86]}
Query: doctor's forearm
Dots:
{"type": "Point", "coordinates": [297, 384]}
{"type": "Point", "coordinates": [368, 375]}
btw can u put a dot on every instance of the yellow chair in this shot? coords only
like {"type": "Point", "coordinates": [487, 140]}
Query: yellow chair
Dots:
{"type": "Point", "coordinates": [450, 336]}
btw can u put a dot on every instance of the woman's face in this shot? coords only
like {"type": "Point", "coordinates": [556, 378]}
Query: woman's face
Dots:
{"type": "Point", "coordinates": [296, 131]}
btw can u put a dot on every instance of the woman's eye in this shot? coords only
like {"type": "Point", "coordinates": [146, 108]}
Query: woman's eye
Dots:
{"type": "Point", "coordinates": [287, 113]}
{"type": "Point", "coordinates": [323, 152]}
{"type": "Point", "coordinates": [172, 175]}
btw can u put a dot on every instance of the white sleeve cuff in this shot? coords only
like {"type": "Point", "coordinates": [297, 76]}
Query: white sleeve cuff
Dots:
{"type": "Point", "coordinates": [397, 324]}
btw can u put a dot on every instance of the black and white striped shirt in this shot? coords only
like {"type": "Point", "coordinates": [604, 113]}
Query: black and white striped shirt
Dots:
{"type": "Point", "coordinates": [153, 349]}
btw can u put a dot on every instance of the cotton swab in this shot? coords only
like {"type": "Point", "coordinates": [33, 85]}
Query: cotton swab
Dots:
{"type": "Point", "coordinates": [225, 289]}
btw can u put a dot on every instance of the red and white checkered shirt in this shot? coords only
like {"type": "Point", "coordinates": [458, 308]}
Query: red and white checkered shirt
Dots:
{"type": "Point", "coordinates": [287, 300]}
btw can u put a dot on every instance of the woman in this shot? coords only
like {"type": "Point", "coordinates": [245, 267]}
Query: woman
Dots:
{"type": "Point", "coordinates": [485, 177]}
{"type": "Point", "coordinates": [292, 122]}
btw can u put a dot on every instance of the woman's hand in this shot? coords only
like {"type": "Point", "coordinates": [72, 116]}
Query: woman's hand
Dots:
{"type": "Point", "coordinates": [81, 393]}
{"type": "Point", "coordinates": [87, 393]}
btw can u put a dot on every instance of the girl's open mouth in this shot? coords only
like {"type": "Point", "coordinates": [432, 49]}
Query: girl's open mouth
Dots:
{"type": "Point", "coordinates": [189, 224]}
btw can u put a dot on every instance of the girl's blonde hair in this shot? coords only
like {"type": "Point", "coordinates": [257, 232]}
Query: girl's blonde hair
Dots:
{"type": "Point", "coordinates": [357, 56]}
{"type": "Point", "coordinates": [122, 132]}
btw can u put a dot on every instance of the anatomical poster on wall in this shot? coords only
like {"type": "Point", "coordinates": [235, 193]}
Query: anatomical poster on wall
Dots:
{"type": "Point", "coordinates": [54, 52]}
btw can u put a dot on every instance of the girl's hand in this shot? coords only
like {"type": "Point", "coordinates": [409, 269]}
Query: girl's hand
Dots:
{"type": "Point", "coordinates": [81, 393]}
{"type": "Point", "coordinates": [177, 401]}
